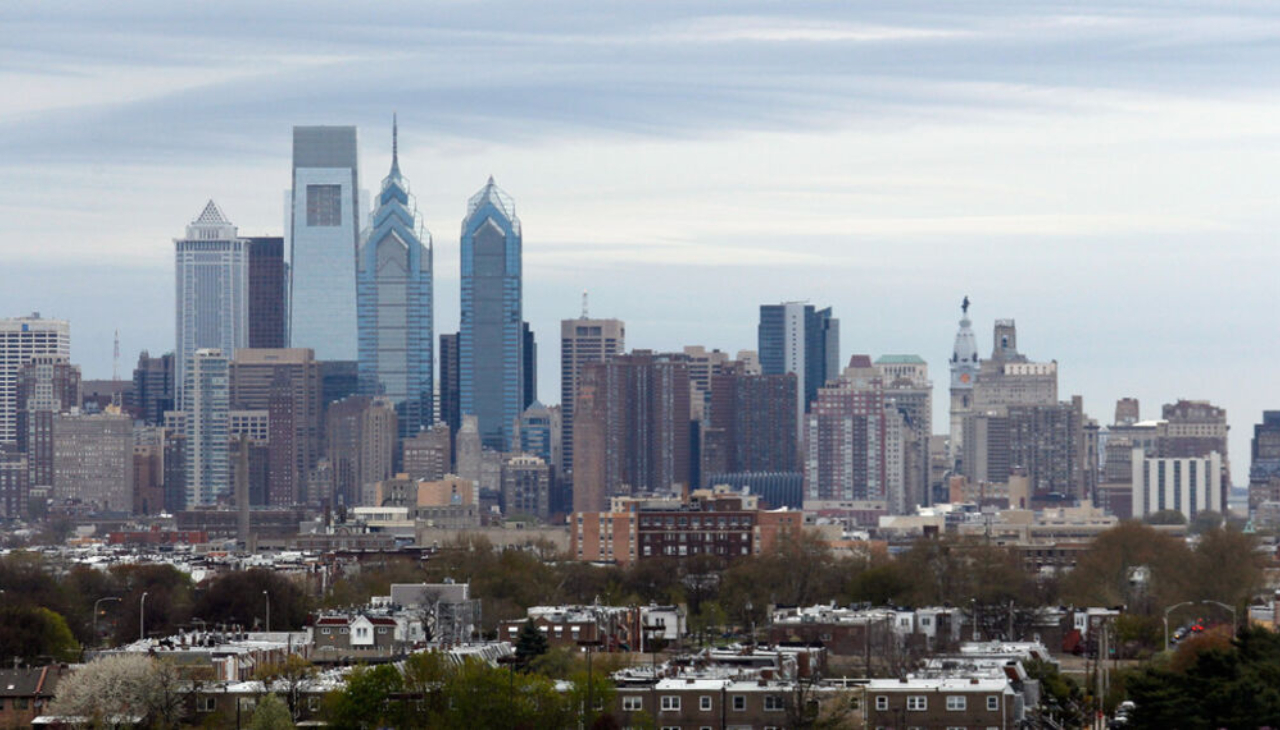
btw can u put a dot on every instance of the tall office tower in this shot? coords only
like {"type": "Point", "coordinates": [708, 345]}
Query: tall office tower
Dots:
{"type": "Point", "coordinates": [250, 456]}
{"type": "Point", "coordinates": [529, 374]}
{"type": "Point", "coordinates": [360, 445]}
{"type": "Point", "coordinates": [268, 293]}
{"type": "Point", "coordinates": [909, 391]}
{"type": "Point", "coordinates": [15, 491]}
{"type": "Point", "coordinates": [206, 428]}
{"type": "Point", "coordinates": [526, 486]}
{"type": "Point", "coordinates": [1127, 412]}
{"type": "Point", "coordinates": [845, 449]}
{"type": "Point", "coordinates": [582, 341]}
{"type": "Point", "coordinates": [393, 278]}
{"type": "Point", "coordinates": [428, 456]}
{"type": "Point", "coordinates": [212, 273]}
{"type": "Point", "coordinates": [450, 397]}
{"type": "Point", "coordinates": [1195, 428]}
{"type": "Point", "coordinates": [287, 384]}
{"type": "Point", "coordinates": [751, 424]}
{"type": "Point", "coordinates": [47, 385]}
{"type": "Point", "coordinates": [22, 338]}
{"type": "Point", "coordinates": [631, 429]}
{"type": "Point", "coordinates": [148, 470]}
{"type": "Point", "coordinates": [490, 342]}
{"type": "Point", "coordinates": [154, 389]}
{"type": "Point", "coordinates": [964, 374]}
{"type": "Point", "coordinates": [793, 337]}
{"type": "Point", "coordinates": [93, 460]}
{"type": "Point", "coordinates": [1046, 442]}
{"type": "Point", "coordinates": [324, 233]}
{"type": "Point", "coordinates": [467, 450]}
{"type": "Point", "coordinates": [1264, 468]}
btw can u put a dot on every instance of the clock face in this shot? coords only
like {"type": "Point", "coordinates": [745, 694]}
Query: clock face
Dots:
{"type": "Point", "coordinates": [964, 377]}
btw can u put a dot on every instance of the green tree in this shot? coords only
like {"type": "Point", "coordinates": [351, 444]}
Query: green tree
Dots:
{"type": "Point", "coordinates": [288, 675]}
{"type": "Point", "coordinates": [365, 702]}
{"type": "Point", "coordinates": [271, 714]}
{"type": "Point", "coordinates": [1205, 521]}
{"type": "Point", "coordinates": [30, 634]}
{"type": "Point", "coordinates": [1227, 567]}
{"type": "Point", "coordinates": [239, 596]}
{"type": "Point", "coordinates": [1104, 574]}
{"type": "Point", "coordinates": [530, 642]}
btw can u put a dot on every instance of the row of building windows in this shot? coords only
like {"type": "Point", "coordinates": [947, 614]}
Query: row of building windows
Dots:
{"type": "Point", "coordinates": [954, 703]}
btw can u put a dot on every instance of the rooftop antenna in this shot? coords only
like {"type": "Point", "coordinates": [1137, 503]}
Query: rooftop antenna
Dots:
{"type": "Point", "coordinates": [395, 143]}
{"type": "Point", "coordinates": [115, 362]}
{"type": "Point", "coordinates": [584, 304]}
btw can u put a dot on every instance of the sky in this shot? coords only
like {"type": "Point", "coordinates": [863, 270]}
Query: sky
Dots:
{"type": "Point", "coordinates": [1104, 173]}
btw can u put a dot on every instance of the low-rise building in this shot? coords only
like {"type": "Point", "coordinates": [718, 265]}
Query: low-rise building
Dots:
{"type": "Point", "coordinates": [973, 702]}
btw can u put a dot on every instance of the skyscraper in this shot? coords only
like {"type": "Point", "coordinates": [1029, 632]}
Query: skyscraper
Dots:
{"type": "Point", "coordinates": [964, 374]}
{"type": "Point", "coordinates": [793, 337]}
{"type": "Point", "coordinates": [394, 279]}
{"type": "Point", "coordinates": [324, 234]}
{"type": "Point", "coordinates": [212, 273]}
{"type": "Point", "coordinates": [21, 339]}
{"type": "Point", "coordinates": [360, 444]}
{"type": "Point", "coordinates": [845, 438]}
{"type": "Point", "coordinates": [268, 293]}
{"type": "Point", "coordinates": [529, 371]}
{"type": "Point", "coordinates": [583, 341]}
{"type": "Point", "coordinates": [154, 387]}
{"type": "Point", "coordinates": [47, 386]}
{"type": "Point", "coordinates": [490, 343]}
{"type": "Point", "coordinates": [909, 390]}
{"type": "Point", "coordinates": [93, 460]}
{"type": "Point", "coordinates": [753, 419]}
{"type": "Point", "coordinates": [450, 397]}
{"type": "Point", "coordinates": [287, 384]}
{"type": "Point", "coordinates": [206, 427]}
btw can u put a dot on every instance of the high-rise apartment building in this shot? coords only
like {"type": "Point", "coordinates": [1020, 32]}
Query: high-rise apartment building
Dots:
{"type": "Point", "coordinates": [428, 456]}
{"type": "Point", "coordinates": [360, 445]}
{"type": "Point", "coordinates": [47, 386]}
{"type": "Point", "coordinates": [750, 425]}
{"type": "Point", "coordinates": [206, 431]}
{"type": "Point", "coordinates": [287, 384]}
{"type": "Point", "coordinates": [324, 232]}
{"type": "Point", "coordinates": [1264, 468]}
{"type": "Point", "coordinates": [15, 491]}
{"type": "Point", "coordinates": [450, 395]}
{"type": "Point", "coordinates": [845, 438]}
{"type": "Point", "coordinates": [794, 337]}
{"type": "Point", "coordinates": [212, 301]}
{"type": "Point", "coordinates": [394, 280]}
{"type": "Point", "coordinates": [583, 341]}
{"type": "Point", "coordinates": [22, 338]}
{"type": "Point", "coordinates": [491, 365]}
{"type": "Point", "coordinates": [1044, 442]}
{"type": "Point", "coordinates": [268, 293]}
{"type": "Point", "coordinates": [631, 429]}
{"type": "Point", "coordinates": [93, 460]}
{"type": "Point", "coordinates": [154, 387]}
{"type": "Point", "coordinates": [909, 391]}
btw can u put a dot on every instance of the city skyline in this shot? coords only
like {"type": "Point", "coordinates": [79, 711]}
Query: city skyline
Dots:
{"type": "Point", "coordinates": [886, 165]}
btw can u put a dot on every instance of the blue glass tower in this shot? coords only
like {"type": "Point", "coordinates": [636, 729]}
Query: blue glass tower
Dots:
{"type": "Point", "coordinates": [394, 304]}
{"type": "Point", "coordinates": [490, 342]}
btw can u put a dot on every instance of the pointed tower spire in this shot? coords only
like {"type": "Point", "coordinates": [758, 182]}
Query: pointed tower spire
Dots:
{"type": "Point", "coordinates": [395, 146]}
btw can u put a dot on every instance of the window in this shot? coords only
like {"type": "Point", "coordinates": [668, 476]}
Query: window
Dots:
{"type": "Point", "coordinates": [956, 703]}
{"type": "Point", "coordinates": [205, 703]}
{"type": "Point", "coordinates": [773, 703]}
{"type": "Point", "coordinates": [882, 703]}
{"type": "Point", "coordinates": [382, 629]}
{"type": "Point", "coordinates": [670, 703]}
{"type": "Point", "coordinates": [739, 703]}
{"type": "Point", "coordinates": [326, 632]}
{"type": "Point", "coordinates": [632, 704]}
{"type": "Point", "coordinates": [704, 703]}
{"type": "Point", "coordinates": [20, 703]}
{"type": "Point", "coordinates": [313, 704]}
{"type": "Point", "coordinates": [324, 205]}
{"type": "Point", "coordinates": [917, 703]}
{"type": "Point", "coordinates": [993, 703]}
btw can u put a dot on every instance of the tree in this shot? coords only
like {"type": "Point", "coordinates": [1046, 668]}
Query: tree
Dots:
{"type": "Point", "coordinates": [1205, 521]}
{"type": "Point", "coordinates": [530, 642]}
{"type": "Point", "coordinates": [366, 700]}
{"type": "Point", "coordinates": [271, 714]}
{"type": "Point", "coordinates": [168, 603]}
{"type": "Point", "coordinates": [1166, 517]}
{"type": "Point", "coordinates": [1227, 567]}
{"type": "Point", "coordinates": [29, 634]}
{"type": "Point", "coordinates": [239, 596]}
{"type": "Point", "coordinates": [288, 675]}
{"type": "Point", "coordinates": [1103, 574]}
{"type": "Point", "coordinates": [121, 685]}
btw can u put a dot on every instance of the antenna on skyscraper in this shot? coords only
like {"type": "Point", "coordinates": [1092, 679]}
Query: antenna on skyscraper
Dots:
{"type": "Point", "coordinates": [115, 360]}
{"type": "Point", "coordinates": [584, 303]}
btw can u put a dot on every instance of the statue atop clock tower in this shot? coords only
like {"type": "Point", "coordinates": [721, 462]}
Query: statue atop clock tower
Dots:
{"type": "Point", "coordinates": [964, 371]}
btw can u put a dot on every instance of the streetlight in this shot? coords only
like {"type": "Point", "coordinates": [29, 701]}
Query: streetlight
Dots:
{"type": "Point", "coordinates": [142, 617]}
{"type": "Point", "coordinates": [1176, 606]}
{"type": "Point", "coordinates": [95, 613]}
{"type": "Point", "coordinates": [589, 644]}
{"type": "Point", "coordinates": [511, 660]}
{"type": "Point", "coordinates": [268, 597]}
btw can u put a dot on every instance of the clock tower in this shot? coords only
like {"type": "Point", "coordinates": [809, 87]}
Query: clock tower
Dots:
{"type": "Point", "coordinates": [964, 371]}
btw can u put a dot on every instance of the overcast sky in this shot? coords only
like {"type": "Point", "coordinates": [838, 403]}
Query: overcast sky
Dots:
{"type": "Point", "coordinates": [1105, 173]}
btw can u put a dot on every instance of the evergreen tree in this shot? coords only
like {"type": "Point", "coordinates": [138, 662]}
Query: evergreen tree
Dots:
{"type": "Point", "coordinates": [531, 642]}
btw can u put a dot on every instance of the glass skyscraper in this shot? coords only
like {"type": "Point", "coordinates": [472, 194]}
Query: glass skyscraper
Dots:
{"type": "Point", "coordinates": [324, 235]}
{"type": "Point", "coordinates": [393, 279]}
{"type": "Point", "coordinates": [212, 298]}
{"type": "Point", "coordinates": [794, 337]}
{"type": "Point", "coordinates": [490, 342]}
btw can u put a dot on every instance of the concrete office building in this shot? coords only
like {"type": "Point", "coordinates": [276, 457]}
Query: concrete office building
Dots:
{"type": "Point", "coordinates": [909, 391]}
{"type": "Point", "coordinates": [287, 384]}
{"type": "Point", "coordinates": [47, 386]}
{"type": "Point", "coordinates": [583, 341]}
{"type": "Point", "coordinates": [212, 298]}
{"type": "Point", "coordinates": [324, 233]}
{"type": "Point", "coordinates": [428, 455]}
{"type": "Point", "coordinates": [93, 460]}
{"type": "Point", "coordinates": [491, 365]}
{"type": "Point", "coordinates": [394, 284]}
{"type": "Point", "coordinates": [205, 422]}
{"type": "Point", "coordinates": [22, 338]}
{"type": "Point", "coordinates": [796, 338]}
{"type": "Point", "coordinates": [526, 486]}
{"type": "Point", "coordinates": [1188, 485]}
